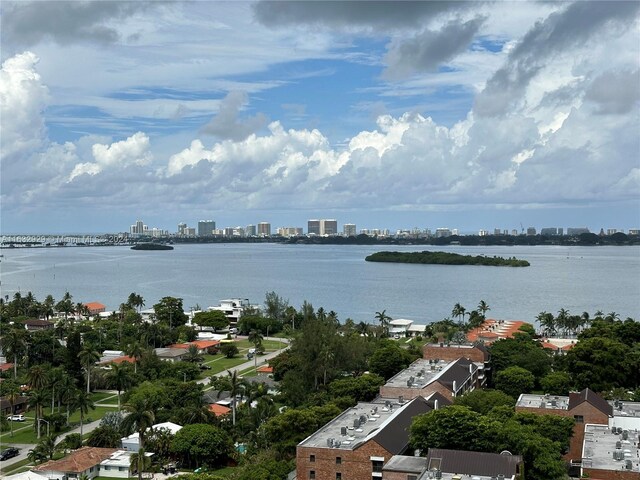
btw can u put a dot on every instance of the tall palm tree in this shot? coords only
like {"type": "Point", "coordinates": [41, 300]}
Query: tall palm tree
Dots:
{"type": "Point", "coordinates": [134, 350]}
{"type": "Point", "coordinates": [255, 337]}
{"type": "Point", "coordinates": [82, 402]}
{"type": "Point", "coordinates": [68, 391]}
{"type": "Point", "coordinates": [140, 418]}
{"type": "Point", "coordinates": [458, 311]}
{"type": "Point", "coordinates": [38, 399]}
{"type": "Point", "coordinates": [14, 343]}
{"type": "Point", "coordinates": [89, 356]}
{"type": "Point", "coordinates": [139, 462]}
{"type": "Point", "coordinates": [193, 354]}
{"type": "Point", "coordinates": [235, 385]}
{"type": "Point", "coordinates": [547, 323]}
{"type": "Point", "coordinates": [120, 377]}
{"type": "Point", "coordinates": [54, 379]}
{"type": "Point", "coordinates": [483, 308]}
{"type": "Point", "coordinates": [135, 301]}
{"type": "Point", "coordinates": [47, 306]}
{"type": "Point", "coordinates": [562, 319]}
{"type": "Point", "coordinates": [384, 319]}
{"type": "Point", "coordinates": [12, 393]}
{"type": "Point", "coordinates": [37, 377]}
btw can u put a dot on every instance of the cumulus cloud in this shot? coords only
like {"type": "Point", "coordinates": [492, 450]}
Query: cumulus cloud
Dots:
{"type": "Point", "coordinates": [555, 35]}
{"type": "Point", "coordinates": [23, 97]}
{"type": "Point", "coordinates": [227, 123]}
{"type": "Point", "coordinates": [28, 23]}
{"type": "Point", "coordinates": [132, 151]}
{"type": "Point", "coordinates": [428, 49]}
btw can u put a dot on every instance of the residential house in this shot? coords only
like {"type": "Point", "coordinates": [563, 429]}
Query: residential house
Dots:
{"type": "Point", "coordinates": [35, 324]}
{"type": "Point", "coordinates": [170, 354]}
{"type": "Point", "coordinates": [84, 461]}
{"type": "Point", "coordinates": [95, 308]}
{"type": "Point", "coordinates": [132, 442]}
{"type": "Point", "coordinates": [466, 464]}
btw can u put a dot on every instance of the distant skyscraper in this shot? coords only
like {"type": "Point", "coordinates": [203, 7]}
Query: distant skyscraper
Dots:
{"type": "Point", "coordinates": [138, 228]}
{"type": "Point", "coordinates": [443, 232]}
{"type": "Point", "coordinates": [264, 229]}
{"type": "Point", "coordinates": [181, 228]}
{"type": "Point", "coordinates": [349, 229]}
{"type": "Point", "coordinates": [328, 227]}
{"type": "Point", "coordinates": [251, 231]}
{"type": "Point", "coordinates": [313, 227]}
{"type": "Point", "coordinates": [206, 228]}
{"type": "Point", "coordinates": [531, 231]}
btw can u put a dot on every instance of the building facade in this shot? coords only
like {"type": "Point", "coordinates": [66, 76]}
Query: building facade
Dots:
{"type": "Point", "coordinates": [206, 228]}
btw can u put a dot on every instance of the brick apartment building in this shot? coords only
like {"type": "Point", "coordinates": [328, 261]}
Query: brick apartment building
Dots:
{"type": "Point", "coordinates": [357, 444]}
{"type": "Point", "coordinates": [425, 377]}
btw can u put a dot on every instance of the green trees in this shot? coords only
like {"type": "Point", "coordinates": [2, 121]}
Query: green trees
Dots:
{"type": "Point", "coordinates": [483, 401]}
{"type": "Point", "coordinates": [83, 402]}
{"type": "Point", "coordinates": [363, 388]}
{"type": "Point", "coordinates": [233, 384]}
{"type": "Point", "coordinates": [388, 360]}
{"type": "Point", "coordinates": [539, 440]}
{"type": "Point", "coordinates": [139, 462]}
{"type": "Point", "coordinates": [601, 364]}
{"type": "Point", "coordinates": [229, 350]}
{"type": "Point", "coordinates": [215, 319]}
{"type": "Point", "coordinates": [556, 383]}
{"type": "Point", "coordinates": [199, 443]}
{"type": "Point", "coordinates": [140, 417]}
{"type": "Point", "coordinates": [514, 380]}
{"type": "Point", "coordinates": [384, 320]}
{"type": "Point", "coordinates": [120, 377]}
{"type": "Point", "coordinates": [169, 310]}
{"type": "Point", "coordinates": [105, 436]}
{"type": "Point", "coordinates": [522, 351]}
{"type": "Point", "coordinates": [15, 345]}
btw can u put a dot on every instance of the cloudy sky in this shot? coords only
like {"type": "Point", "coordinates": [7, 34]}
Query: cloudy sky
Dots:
{"type": "Point", "coordinates": [388, 115]}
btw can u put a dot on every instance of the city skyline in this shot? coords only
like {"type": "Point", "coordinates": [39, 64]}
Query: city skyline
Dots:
{"type": "Point", "coordinates": [480, 115]}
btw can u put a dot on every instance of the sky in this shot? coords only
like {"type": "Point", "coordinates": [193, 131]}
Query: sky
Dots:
{"type": "Point", "coordinates": [467, 115]}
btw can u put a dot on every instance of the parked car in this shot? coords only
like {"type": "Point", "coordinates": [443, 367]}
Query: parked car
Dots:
{"type": "Point", "coordinates": [205, 367]}
{"type": "Point", "coordinates": [16, 418]}
{"type": "Point", "coordinates": [8, 453]}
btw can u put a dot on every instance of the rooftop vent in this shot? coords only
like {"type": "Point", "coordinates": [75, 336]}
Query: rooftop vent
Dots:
{"type": "Point", "coordinates": [401, 399]}
{"type": "Point", "coordinates": [343, 431]}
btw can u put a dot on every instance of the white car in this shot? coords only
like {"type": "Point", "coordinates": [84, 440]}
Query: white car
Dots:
{"type": "Point", "coordinates": [16, 418]}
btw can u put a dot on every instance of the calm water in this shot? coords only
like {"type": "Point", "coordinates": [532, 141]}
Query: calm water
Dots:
{"type": "Point", "coordinates": [336, 277]}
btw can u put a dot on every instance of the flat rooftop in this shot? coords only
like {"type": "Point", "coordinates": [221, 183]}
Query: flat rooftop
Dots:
{"type": "Point", "coordinates": [343, 430]}
{"type": "Point", "coordinates": [600, 446]}
{"type": "Point", "coordinates": [421, 373]}
{"type": "Point", "coordinates": [551, 402]}
{"type": "Point", "coordinates": [625, 409]}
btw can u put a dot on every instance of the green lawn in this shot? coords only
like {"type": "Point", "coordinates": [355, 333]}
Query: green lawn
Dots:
{"type": "Point", "coordinates": [26, 434]}
{"type": "Point", "coordinates": [100, 397]}
{"type": "Point", "coordinates": [17, 467]}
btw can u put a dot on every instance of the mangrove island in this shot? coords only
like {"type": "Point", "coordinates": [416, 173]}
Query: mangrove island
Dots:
{"type": "Point", "coordinates": [444, 258]}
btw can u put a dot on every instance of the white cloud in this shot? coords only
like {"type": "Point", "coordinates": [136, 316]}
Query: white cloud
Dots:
{"type": "Point", "coordinates": [132, 151]}
{"type": "Point", "coordinates": [23, 97]}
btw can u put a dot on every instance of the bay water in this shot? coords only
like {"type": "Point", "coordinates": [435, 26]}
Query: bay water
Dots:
{"type": "Point", "coordinates": [336, 278]}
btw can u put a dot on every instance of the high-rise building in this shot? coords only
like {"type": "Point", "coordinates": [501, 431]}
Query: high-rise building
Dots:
{"type": "Point", "coordinates": [181, 228]}
{"type": "Point", "coordinates": [139, 228]}
{"type": "Point", "coordinates": [531, 231]}
{"type": "Point", "coordinates": [264, 229]}
{"type": "Point", "coordinates": [206, 228]}
{"type": "Point", "coordinates": [251, 231]}
{"type": "Point", "coordinates": [290, 231]}
{"type": "Point", "coordinates": [442, 232]}
{"type": "Point", "coordinates": [349, 230]}
{"type": "Point", "coordinates": [313, 227]}
{"type": "Point", "coordinates": [328, 227]}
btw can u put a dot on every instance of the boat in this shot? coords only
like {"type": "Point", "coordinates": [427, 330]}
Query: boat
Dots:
{"type": "Point", "coordinates": [151, 246]}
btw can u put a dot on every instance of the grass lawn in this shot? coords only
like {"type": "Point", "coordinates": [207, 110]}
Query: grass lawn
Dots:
{"type": "Point", "coordinates": [100, 397]}
{"type": "Point", "coordinates": [17, 467]}
{"type": "Point", "coordinates": [26, 434]}
{"type": "Point", "coordinates": [223, 472]}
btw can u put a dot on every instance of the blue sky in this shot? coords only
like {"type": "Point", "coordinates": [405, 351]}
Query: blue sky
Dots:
{"type": "Point", "coordinates": [465, 115]}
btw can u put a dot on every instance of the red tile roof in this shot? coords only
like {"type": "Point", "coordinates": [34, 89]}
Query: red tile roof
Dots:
{"type": "Point", "coordinates": [119, 360]}
{"type": "Point", "coordinates": [494, 329]}
{"type": "Point", "coordinates": [265, 369]}
{"type": "Point", "coordinates": [218, 410]}
{"type": "Point", "coordinates": [201, 344]}
{"type": "Point", "coordinates": [95, 306]}
{"type": "Point", "coordinates": [5, 366]}
{"type": "Point", "coordinates": [77, 461]}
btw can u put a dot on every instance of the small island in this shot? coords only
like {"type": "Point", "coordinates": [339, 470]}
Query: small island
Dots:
{"type": "Point", "coordinates": [444, 258]}
{"type": "Point", "coordinates": [151, 246]}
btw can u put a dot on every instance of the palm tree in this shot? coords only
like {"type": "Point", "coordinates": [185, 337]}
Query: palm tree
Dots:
{"type": "Point", "coordinates": [135, 301]}
{"type": "Point", "coordinates": [120, 377]}
{"type": "Point", "coordinates": [139, 462]}
{"type": "Point", "coordinates": [89, 356]}
{"type": "Point", "coordinates": [562, 319]}
{"type": "Point", "coordinates": [37, 400]}
{"type": "Point", "coordinates": [193, 354]}
{"type": "Point", "coordinates": [384, 319]}
{"type": "Point", "coordinates": [547, 323]}
{"type": "Point", "coordinates": [68, 391]}
{"type": "Point", "coordinates": [54, 379]}
{"type": "Point", "coordinates": [134, 350]}
{"type": "Point", "coordinates": [47, 306]}
{"type": "Point", "coordinates": [12, 393]}
{"type": "Point", "coordinates": [47, 446]}
{"type": "Point", "coordinates": [83, 403]}
{"type": "Point", "coordinates": [140, 418]}
{"type": "Point", "coordinates": [255, 337]}
{"type": "Point", "coordinates": [483, 308]}
{"type": "Point", "coordinates": [37, 377]}
{"type": "Point", "coordinates": [458, 311]}
{"type": "Point", "coordinates": [14, 344]}
{"type": "Point", "coordinates": [235, 386]}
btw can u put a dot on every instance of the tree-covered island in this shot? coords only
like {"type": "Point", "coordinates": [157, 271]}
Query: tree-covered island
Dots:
{"type": "Point", "coordinates": [444, 258]}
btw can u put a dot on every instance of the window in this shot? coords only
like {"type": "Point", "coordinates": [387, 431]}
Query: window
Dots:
{"type": "Point", "coordinates": [578, 418]}
{"type": "Point", "coordinates": [312, 458]}
{"type": "Point", "coordinates": [376, 466]}
{"type": "Point", "coordinates": [338, 476]}
{"type": "Point", "coordinates": [338, 460]}
{"type": "Point", "coordinates": [312, 475]}
{"type": "Point", "coordinates": [412, 477]}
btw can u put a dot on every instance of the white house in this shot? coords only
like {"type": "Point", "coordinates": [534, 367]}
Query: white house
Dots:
{"type": "Point", "coordinates": [132, 442]}
{"type": "Point", "coordinates": [83, 461]}
{"type": "Point", "coordinates": [399, 326]}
